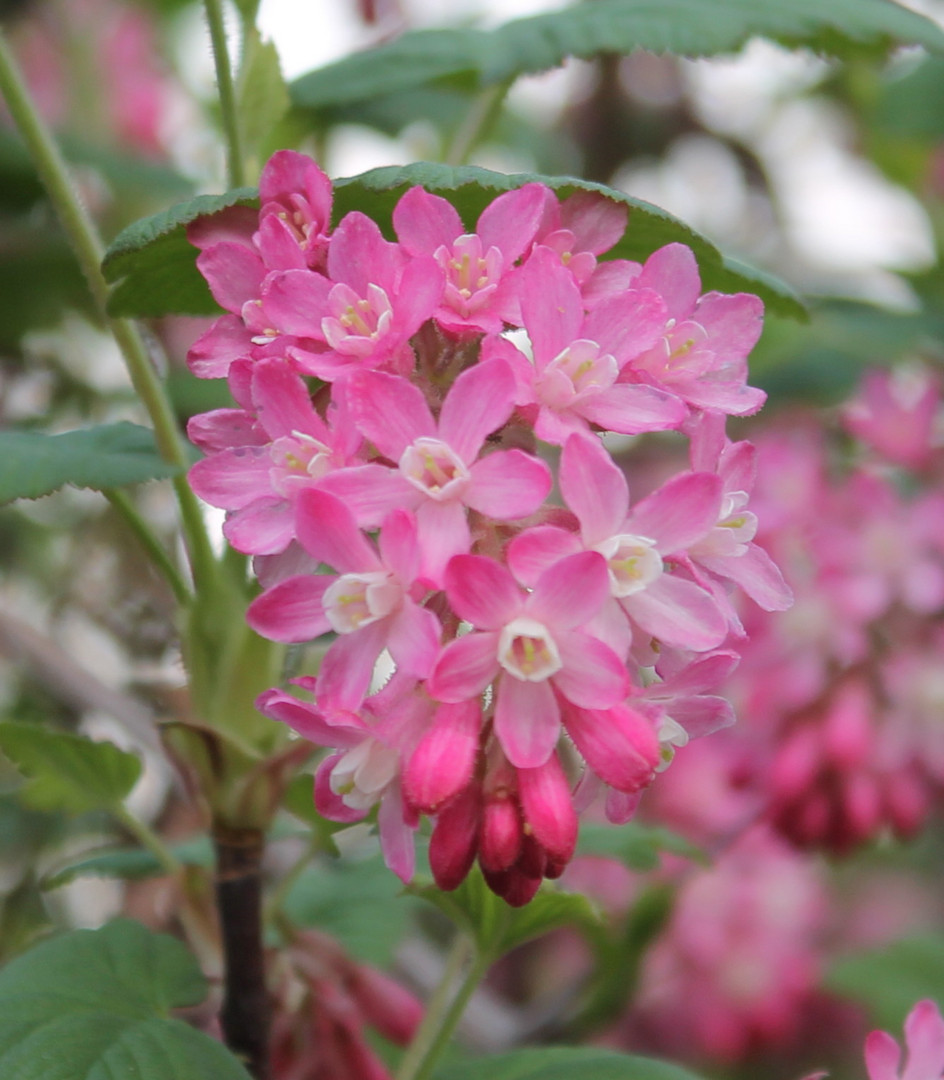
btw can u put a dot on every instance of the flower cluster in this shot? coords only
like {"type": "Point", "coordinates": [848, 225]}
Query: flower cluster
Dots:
{"type": "Point", "coordinates": [387, 466]}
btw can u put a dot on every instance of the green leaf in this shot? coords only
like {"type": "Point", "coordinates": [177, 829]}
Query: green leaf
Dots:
{"type": "Point", "coordinates": [564, 1063]}
{"type": "Point", "coordinates": [68, 772]}
{"type": "Point", "coordinates": [685, 27]}
{"type": "Point", "coordinates": [262, 94]}
{"type": "Point", "coordinates": [890, 979]}
{"type": "Point", "coordinates": [638, 846]}
{"type": "Point", "coordinates": [158, 263]}
{"type": "Point", "coordinates": [95, 1004]}
{"type": "Point", "coordinates": [343, 897]}
{"type": "Point", "coordinates": [498, 928]}
{"type": "Point", "coordinates": [130, 864]}
{"type": "Point", "coordinates": [153, 254]}
{"type": "Point", "coordinates": [33, 464]}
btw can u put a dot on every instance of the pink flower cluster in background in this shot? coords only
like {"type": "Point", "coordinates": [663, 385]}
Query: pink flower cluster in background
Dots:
{"type": "Point", "coordinates": [497, 660]}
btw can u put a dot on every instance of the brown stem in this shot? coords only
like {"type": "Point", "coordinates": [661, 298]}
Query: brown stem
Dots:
{"type": "Point", "coordinates": [245, 1013]}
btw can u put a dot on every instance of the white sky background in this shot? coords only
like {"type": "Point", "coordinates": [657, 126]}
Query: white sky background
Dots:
{"type": "Point", "coordinates": [841, 214]}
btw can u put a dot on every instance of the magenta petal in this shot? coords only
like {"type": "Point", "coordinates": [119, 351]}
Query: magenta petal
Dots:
{"type": "Point", "coordinates": [224, 429]}
{"type": "Point", "coordinates": [307, 720]}
{"type": "Point", "coordinates": [287, 172]}
{"type": "Point", "coordinates": [673, 272]}
{"type": "Point", "coordinates": [482, 591]}
{"type": "Point", "coordinates": [212, 354]}
{"type": "Point", "coordinates": [371, 492]}
{"type": "Point", "coordinates": [234, 273]}
{"type": "Point", "coordinates": [265, 527]}
{"type": "Point", "coordinates": [283, 403]}
{"type": "Point", "coordinates": [734, 322]}
{"type": "Point", "coordinates": [277, 243]}
{"type": "Point", "coordinates": [702, 715]}
{"type": "Point", "coordinates": [571, 592]}
{"type": "Point", "coordinates": [291, 610]}
{"type": "Point", "coordinates": [618, 744]}
{"type": "Point", "coordinates": [233, 478]}
{"type": "Point", "coordinates": [551, 306]}
{"type": "Point", "coordinates": [593, 676]}
{"type": "Point", "coordinates": [465, 667]}
{"type": "Point", "coordinates": [233, 223]}
{"type": "Point", "coordinates": [444, 759]}
{"type": "Point", "coordinates": [527, 721]}
{"type": "Point", "coordinates": [414, 639]}
{"type": "Point", "coordinates": [399, 550]}
{"type": "Point", "coordinates": [389, 411]}
{"type": "Point", "coordinates": [924, 1037]}
{"type": "Point", "coordinates": [757, 574]}
{"type": "Point", "coordinates": [632, 408]}
{"type": "Point", "coordinates": [295, 301]}
{"type": "Point", "coordinates": [348, 666]}
{"type": "Point", "coordinates": [510, 221]}
{"type": "Point", "coordinates": [508, 484]}
{"type": "Point", "coordinates": [425, 222]}
{"type": "Point", "coordinates": [479, 402]}
{"type": "Point", "coordinates": [594, 487]}
{"type": "Point", "coordinates": [548, 808]}
{"type": "Point", "coordinates": [534, 550]}
{"type": "Point", "coordinates": [678, 613]}
{"type": "Point", "coordinates": [443, 531]}
{"type": "Point", "coordinates": [327, 803]}
{"type": "Point", "coordinates": [627, 324]}
{"type": "Point", "coordinates": [596, 221]}
{"type": "Point", "coordinates": [359, 256]}
{"type": "Point", "coordinates": [882, 1056]}
{"type": "Point", "coordinates": [679, 513]}
{"type": "Point", "coordinates": [326, 529]}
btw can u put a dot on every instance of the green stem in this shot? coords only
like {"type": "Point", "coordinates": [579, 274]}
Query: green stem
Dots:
{"type": "Point", "coordinates": [478, 120]}
{"type": "Point", "coordinates": [444, 1010]}
{"type": "Point", "coordinates": [227, 91]}
{"type": "Point", "coordinates": [158, 556]}
{"type": "Point", "coordinates": [149, 839]}
{"type": "Point", "coordinates": [88, 249]}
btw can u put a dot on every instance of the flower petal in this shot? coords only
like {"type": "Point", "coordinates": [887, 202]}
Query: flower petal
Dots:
{"type": "Point", "coordinates": [508, 484]}
{"type": "Point", "coordinates": [527, 721]}
{"type": "Point", "coordinates": [594, 487]}
{"type": "Point", "coordinates": [482, 591]}
{"type": "Point", "coordinates": [593, 676]}
{"type": "Point", "coordinates": [327, 530]}
{"type": "Point", "coordinates": [292, 610]}
{"type": "Point", "coordinates": [464, 668]}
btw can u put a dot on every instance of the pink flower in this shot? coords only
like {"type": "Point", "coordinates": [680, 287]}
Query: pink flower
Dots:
{"type": "Point", "coordinates": [439, 473]}
{"type": "Point", "coordinates": [924, 1038]}
{"type": "Point", "coordinates": [896, 413]}
{"type": "Point", "coordinates": [368, 603]}
{"type": "Point", "coordinates": [531, 646]}
{"type": "Point", "coordinates": [476, 265]}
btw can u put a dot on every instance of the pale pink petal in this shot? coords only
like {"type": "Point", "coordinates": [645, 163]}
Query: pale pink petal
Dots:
{"type": "Point", "coordinates": [508, 484]}
{"type": "Point", "coordinates": [398, 546]}
{"type": "Point", "coordinates": [620, 806]}
{"type": "Point", "coordinates": [233, 478]}
{"type": "Point", "coordinates": [679, 513]}
{"type": "Point", "coordinates": [465, 667]}
{"type": "Point", "coordinates": [594, 487]}
{"type": "Point", "coordinates": [701, 674]}
{"type": "Point", "coordinates": [570, 592]}
{"type": "Point", "coordinates": [734, 321]}
{"type": "Point", "coordinates": [292, 610]}
{"type": "Point", "coordinates": [348, 666]}
{"type": "Point", "coordinates": [389, 411]}
{"type": "Point", "coordinates": [295, 301]}
{"type": "Point", "coordinates": [224, 429]}
{"type": "Point", "coordinates": [359, 256]}
{"type": "Point", "coordinates": [479, 402]}
{"type": "Point", "coordinates": [551, 305]}
{"type": "Point", "coordinates": [327, 530]}
{"type": "Point", "coordinates": [443, 532]}
{"type": "Point", "coordinates": [265, 527]}
{"type": "Point", "coordinates": [527, 721]}
{"type": "Point", "coordinates": [679, 613]}
{"type": "Point", "coordinates": [396, 837]}
{"type": "Point", "coordinates": [371, 492]}
{"type": "Point", "coordinates": [482, 591]}
{"type": "Point", "coordinates": [593, 676]}
{"type": "Point", "coordinates": [234, 223]}
{"type": "Point", "coordinates": [414, 639]}
{"type": "Point", "coordinates": [627, 324]}
{"type": "Point", "coordinates": [533, 551]}
{"type": "Point", "coordinates": [924, 1037]}
{"type": "Point", "coordinates": [703, 715]}
{"type": "Point", "coordinates": [425, 222]}
{"type": "Point", "coordinates": [212, 354]}
{"type": "Point", "coordinates": [633, 408]}
{"type": "Point", "coordinates": [596, 221]}
{"type": "Point", "coordinates": [733, 398]}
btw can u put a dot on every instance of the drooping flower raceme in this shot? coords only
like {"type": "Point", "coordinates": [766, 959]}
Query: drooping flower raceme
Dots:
{"type": "Point", "coordinates": [400, 405]}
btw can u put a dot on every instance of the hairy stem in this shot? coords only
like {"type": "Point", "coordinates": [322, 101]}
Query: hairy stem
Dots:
{"type": "Point", "coordinates": [152, 546]}
{"type": "Point", "coordinates": [245, 1013]}
{"type": "Point", "coordinates": [88, 249]}
{"type": "Point", "coordinates": [444, 1010]}
{"type": "Point", "coordinates": [227, 90]}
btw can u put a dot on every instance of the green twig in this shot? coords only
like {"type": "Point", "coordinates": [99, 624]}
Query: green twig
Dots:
{"type": "Point", "coordinates": [444, 1010]}
{"type": "Point", "coordinates": [226, 87]}
{"type": "Point", "coordinates": [158, 556]}
{"type": "Point", "coordinates": [148, 839]}
{"type": "Point", "coordinates": [87, 246]}
{"type": "Point", "coordinates": [477, 122]}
